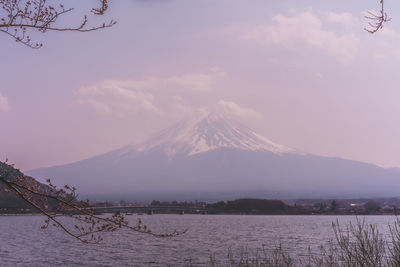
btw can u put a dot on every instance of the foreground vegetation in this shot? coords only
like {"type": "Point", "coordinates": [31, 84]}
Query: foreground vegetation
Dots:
{"type": "Point", "coordinates": [356, 245]}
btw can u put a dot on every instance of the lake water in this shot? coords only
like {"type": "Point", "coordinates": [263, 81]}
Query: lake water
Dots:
{"type": "Point", "coordinates": [23, 243]}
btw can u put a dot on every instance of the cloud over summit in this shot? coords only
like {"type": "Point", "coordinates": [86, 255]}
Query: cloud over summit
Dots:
{"type": "Point", "coordinates": [306, 28]}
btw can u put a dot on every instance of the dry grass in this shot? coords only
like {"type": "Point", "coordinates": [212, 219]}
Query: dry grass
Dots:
{"type": "Point", "coordinates": [355, 245]}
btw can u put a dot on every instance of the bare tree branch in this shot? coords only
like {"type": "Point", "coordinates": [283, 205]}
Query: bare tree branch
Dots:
{"type": "Point", "coordinates": [376, 19]}
{"type": "Point", "coordinates": [18, 17]}
{"type": "Point", "coordinates": [56, 203]}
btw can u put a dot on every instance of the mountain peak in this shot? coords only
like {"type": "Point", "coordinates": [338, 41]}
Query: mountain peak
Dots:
{"type": "Point", "coordinates": [208, 131]}
{"type": "Point", "coordinates": [189, 157]}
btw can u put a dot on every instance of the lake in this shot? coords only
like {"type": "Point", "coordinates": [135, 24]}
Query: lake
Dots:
{"type": "Point", "coordinates": [24, 243]}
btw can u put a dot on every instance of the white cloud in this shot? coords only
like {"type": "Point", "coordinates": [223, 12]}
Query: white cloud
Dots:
{"type": "Point", "coordinates": [342, 18]}
{"type": "Point", "coordinates": [4, 106]}
{"type": "Point", "coordinates": [118, 97]}
{"type": "Point", "coordinates": [384, 45]}
{"type": "Point", "coordinates": [218, 71]}
{"type": "Point", "coordinates": [388, 32]}
{"type": "Point", "coordinates": [178, 106]}
{"type": "Point", "coordinates": [121, 97]}
{"type": "Point", "coordinates": [238, 111]}
{"type": "Point", "coordinates": [195, 82]}
{"type": "Point", "coordinates": [304, 28]}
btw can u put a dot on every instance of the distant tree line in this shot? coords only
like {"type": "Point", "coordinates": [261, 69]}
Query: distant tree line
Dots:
{"type": "Point", "coordinates": [251, 206]}
{"type": "Point", "coordinates": [175, 203]}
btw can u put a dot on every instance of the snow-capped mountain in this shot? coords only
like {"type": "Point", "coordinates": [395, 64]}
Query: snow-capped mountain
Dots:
{"type": "Point", "coordinates": [211, 153]}
{"type": "Point", "coordinates": [205, 132]}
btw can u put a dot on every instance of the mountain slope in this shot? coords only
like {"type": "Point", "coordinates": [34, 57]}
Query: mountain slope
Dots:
{"type": "Point", "coordinates": [9, 201]}
{"type": "Point", "coordinates": [207, 132]}
{"type": "Point", "coordinates": [212, 153]}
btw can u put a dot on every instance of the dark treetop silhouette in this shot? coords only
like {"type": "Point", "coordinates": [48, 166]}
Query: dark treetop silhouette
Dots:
{"type": "Point", "coordinates": [57, 204]}
{"type": "Point", "coordinates": [20, 17]}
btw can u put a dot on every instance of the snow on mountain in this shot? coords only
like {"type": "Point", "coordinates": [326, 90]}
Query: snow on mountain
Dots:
{"type": "Point", "coordinates": [211, 153]}
{"type": "Point", "coordinates": [206, 132]}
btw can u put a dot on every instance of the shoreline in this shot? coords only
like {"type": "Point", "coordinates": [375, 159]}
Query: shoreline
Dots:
{"type": "Point", "coordinates": [212, 214]}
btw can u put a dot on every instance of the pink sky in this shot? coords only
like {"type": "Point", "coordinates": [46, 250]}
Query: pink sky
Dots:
{"type": "Point", "coordinates": [302, 73]}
